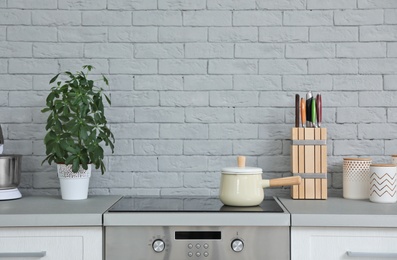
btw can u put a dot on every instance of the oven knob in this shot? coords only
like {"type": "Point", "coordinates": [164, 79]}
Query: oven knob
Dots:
{"type": "Point", "coordinates": [158, 245]}
{"type": "Point", "coordinates": [237, 245]}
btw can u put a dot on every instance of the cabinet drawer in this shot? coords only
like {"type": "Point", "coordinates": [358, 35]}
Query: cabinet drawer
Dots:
{"type": "Point", "coordinates": [51, 243]}
{"type": "Point", "coordinates": [343, 243]}
{"type": "Point", "coordinates": [51, 247]}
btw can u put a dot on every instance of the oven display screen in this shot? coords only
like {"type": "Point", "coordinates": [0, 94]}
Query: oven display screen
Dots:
{"type": "Point", "coordinates": [197, 235]}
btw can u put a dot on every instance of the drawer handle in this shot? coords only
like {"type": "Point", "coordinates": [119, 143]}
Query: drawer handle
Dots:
{"type": "Point", "coordinates": [370, 254]}
{"type": "Point", "coordinates": [23, 254]}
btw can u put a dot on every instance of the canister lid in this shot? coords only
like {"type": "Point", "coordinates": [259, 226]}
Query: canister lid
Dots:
{"type": "Point", "coordinates": [241, 169]}
{"type": "Point", "coordinates": [383, 165]}
{"type": "Point", "coordinates": [357, 159]}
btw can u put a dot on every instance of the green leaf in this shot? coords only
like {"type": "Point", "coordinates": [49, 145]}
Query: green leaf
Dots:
{"type": "Point", "coordinates": [46, 159]}
{"type": "Point", "coordinates": [44, 110]}
{"type": "Point", "coordinates": [70, 159]}
{"type": "Point", "coordinates": [84, 161]}
{"type": "Point", "coordinates": [64, 88]}
{"type": "Point", "coordinates": [83, 133]}
{"type": "Point", "coordinates": [71, 150]}
{"type": "Point", "coordinates": [51, 159]}
{"type": "Point", "coordinates": [76, 165]}
{"type": "Point", "coordinates": [111, 146]}
{"type": "Point", "coordinates": [105, 80]}
{"type": "Point", "coordinates": [49, 148]}
{"type": "Point", "coordinates": [89, 120]}
{"type": "Point", "coordinates": [58, 151]}
{"type": "Point", "coordinates": [50, 136]}
{"type": "Point", "coordinates": [103, 168]}
{"type": "Point", "coordinates": [64, 118]}
{"type": "Point", "coordinates": [54, 78]}
{"type": "Point", "coordinates": [58, 125]}
{"type": "Point", "coordinates": [50, 98]}
{"type": "Point", "coordinates": [66, 111]}
{"type": "Point", "coordinates": [108, 99]}
{"type": "Point", "coordinates": [100, 105]}
{"type": "Point", "coordinates": [63, 144]}
{"type": "Point", "coordinates": [58, 104]}
{"type": "Point", "coordinates": [88, 67]}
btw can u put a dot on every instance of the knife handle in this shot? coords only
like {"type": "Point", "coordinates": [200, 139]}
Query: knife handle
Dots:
{"type": "Point", "coordinates": [319, 110]}
{"type": "Point", "coordinates": [309, 98]}
{"type": "Point", "coordinates": [314, 114]}
{"type": "Point", "coordinates": [303, 112]}
{"type": "Point", "coordinates": [297, 100]}
{"type": "Point", "coordinates": [1, 136]}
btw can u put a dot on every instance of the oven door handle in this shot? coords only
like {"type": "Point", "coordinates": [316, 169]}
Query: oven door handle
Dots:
{"type": "Point", "coordinates": [23, 254]}
{"type": "Point", "coordinates": [371, 254]}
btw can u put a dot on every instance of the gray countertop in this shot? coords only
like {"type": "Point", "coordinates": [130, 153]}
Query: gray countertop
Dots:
{"type": "Point", "coordinates": [47, 211]}
{"type": "Point", "coordinates": [340, 212]}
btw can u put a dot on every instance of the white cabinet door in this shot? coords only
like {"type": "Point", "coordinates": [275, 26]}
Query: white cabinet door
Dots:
{"type": "Point", "coordinates": [53, 243]}
{"type": "Point", "coordinates": [312, 243]}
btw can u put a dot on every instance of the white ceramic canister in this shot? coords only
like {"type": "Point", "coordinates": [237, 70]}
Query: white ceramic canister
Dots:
{"type": "Point", "coordinates": [383, 183]}
{"type": "Point", "coordinates": [356, 178]}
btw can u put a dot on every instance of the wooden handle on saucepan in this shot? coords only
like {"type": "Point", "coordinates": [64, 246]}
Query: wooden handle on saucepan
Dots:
{"type": "Point", "coordinates": [241, 161]}
{"type": "Point", "coordinates": [287, 181]}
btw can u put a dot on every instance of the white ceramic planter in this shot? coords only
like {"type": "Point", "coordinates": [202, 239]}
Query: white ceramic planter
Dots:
{"type": "Point", "coordinates": [74, 186]}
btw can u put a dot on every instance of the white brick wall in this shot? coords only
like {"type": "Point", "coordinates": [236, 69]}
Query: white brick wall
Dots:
{"type": "Point", "coordinates": [195, 83]}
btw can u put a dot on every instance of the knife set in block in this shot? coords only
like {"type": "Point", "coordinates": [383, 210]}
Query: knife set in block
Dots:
{"type": "Point", "coordinates": [309, 160]}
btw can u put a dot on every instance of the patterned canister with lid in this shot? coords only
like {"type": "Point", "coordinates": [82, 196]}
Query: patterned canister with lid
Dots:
{"type": "Point", "coordinates": [356, 172]}
{"type": "Point", "coordinates": [383, 183]}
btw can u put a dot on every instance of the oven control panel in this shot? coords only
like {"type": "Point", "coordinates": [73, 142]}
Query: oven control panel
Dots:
{"type": "Point", "coordinates": [181, 243]}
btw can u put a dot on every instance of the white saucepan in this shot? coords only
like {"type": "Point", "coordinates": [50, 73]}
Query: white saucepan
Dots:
{"type": "Point", "coordinates": [243, 186]}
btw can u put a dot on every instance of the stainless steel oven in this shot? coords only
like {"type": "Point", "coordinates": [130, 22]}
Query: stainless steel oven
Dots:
{"type": "Point", "coordinates": [195, 228]}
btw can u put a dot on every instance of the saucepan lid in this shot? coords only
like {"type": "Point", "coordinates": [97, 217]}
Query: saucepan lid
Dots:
{"type": "Point", "coordinates": [241, 168]}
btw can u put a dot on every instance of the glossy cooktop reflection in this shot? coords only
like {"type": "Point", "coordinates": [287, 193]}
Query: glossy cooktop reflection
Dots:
{"type": "Point", "coordinates": [187, 204]}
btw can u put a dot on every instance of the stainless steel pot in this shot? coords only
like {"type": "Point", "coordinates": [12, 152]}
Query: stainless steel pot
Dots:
{"type": "Point", "coordinates": [10, 171]}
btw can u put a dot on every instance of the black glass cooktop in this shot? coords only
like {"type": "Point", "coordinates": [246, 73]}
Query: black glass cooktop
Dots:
{"type": "Point", "coordinates": [187, 204]}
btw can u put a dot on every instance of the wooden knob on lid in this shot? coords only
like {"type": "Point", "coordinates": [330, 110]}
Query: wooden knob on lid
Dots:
{"type": "Point", "coordinates": [241, 161]}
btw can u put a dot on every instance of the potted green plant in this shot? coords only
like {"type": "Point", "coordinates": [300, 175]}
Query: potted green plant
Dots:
{"type": "Point", "coordinates": [76, 129]}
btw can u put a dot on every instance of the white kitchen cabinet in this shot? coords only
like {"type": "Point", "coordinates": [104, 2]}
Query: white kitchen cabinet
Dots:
{"type": "Point", "coordinates": [337, 243]}
{"type": "Point", "coordinates": [51, 243]}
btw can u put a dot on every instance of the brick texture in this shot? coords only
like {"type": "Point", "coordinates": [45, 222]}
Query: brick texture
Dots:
{"type": "Point", "coordinates": [195, 83]}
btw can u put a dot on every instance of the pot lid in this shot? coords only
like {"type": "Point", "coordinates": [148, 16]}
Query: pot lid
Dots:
{"type": "Point", "coordinates": [241, 169]}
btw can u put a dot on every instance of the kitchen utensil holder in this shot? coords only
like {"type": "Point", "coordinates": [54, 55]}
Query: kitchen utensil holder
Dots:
{"type": "Point", "coordinates": [309, 160]}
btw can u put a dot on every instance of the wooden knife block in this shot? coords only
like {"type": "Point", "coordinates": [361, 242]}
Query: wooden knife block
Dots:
{"type": "Point", "coordinates": [309, 160]}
